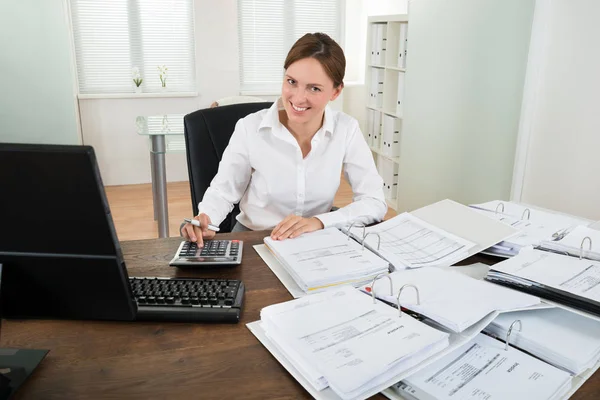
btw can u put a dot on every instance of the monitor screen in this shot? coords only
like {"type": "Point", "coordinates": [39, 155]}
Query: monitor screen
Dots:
{"type": "Point", "coordinates": [58, 243]}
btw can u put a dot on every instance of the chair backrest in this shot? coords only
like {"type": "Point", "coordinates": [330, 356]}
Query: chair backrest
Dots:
{"type": "Point", "coordinates": [207, 133]}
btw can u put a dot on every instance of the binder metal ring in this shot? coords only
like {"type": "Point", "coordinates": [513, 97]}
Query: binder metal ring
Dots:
{"type": "Point", "coordinates": [507, 341]}
{"type": "Point", "coordinates": [581, 247]}
{"type": "Point", "coordinates": [373, 285]}
{"type": "Point", "coordinates": [357, 224]}
{"type": "Point", "coordinates": [378, 240]}
{"type": "Point", "coordinates": [528, 211]}
{"type": "Point", "coordinates": [500, 204]}
{"type": "Point", "coordinates": [400, 292]}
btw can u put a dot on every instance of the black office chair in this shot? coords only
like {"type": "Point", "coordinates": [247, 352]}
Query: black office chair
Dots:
{"type": "Point", "coordinates": [207, 133]}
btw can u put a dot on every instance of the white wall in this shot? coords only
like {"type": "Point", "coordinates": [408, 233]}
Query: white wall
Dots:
{"type": "Point", "coordinates": [37, 96]}
{"type": "Point", "coordinates": [561, 163]}
{"type": "Point", "coordinates": [463, 92]}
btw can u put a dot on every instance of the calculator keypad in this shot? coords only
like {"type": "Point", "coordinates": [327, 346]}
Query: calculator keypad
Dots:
{"type": "Point", "coordinates": [213, 252]}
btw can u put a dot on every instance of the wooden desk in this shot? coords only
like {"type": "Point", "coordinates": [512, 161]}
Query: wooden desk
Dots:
{"type": "Point", "coordinates": [143, 360]}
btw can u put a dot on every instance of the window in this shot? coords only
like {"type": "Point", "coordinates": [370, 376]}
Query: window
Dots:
{"type": "Point", "coordinates": [267, 30]}
{"type": "Point", "coordinates": [114, 36]}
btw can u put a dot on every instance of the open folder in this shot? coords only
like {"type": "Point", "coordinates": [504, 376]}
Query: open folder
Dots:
{"type": "Point", "coordinates": [533, 224]}
{"type": "Point", "coordinates": [566, 280]}
{"type": "Point", "coordinates": [440, 234]}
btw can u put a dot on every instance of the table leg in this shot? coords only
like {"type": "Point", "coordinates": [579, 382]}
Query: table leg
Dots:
{"type": "Point", "coordinates": [153, 178]}
{"type": "Point", "coordinates": [160, 171]}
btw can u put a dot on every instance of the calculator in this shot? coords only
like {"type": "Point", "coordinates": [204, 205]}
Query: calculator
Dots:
{"type": "Point", "coordinates": [214, 252]}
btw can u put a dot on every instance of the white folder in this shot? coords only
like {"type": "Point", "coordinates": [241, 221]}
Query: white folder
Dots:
{"type": "Point", "coordinates": [373, 44]}
{"type": "Point", "coordinates": [383, 44]}
{"type": "Point", "coordinates": [462, 221]}
{"type": "Point", "coordinates": [402, 45]}
{"type": "Point", "coordinates": [380, 81]}
{"type": "Point", "coordinates": [377, 130]}
{"type": "Point", "coordinates": [387, 134]}
{"type": "Point", "coordinates": [391, 136]}
{"type": "Point", "coordinates": [390, 172]}
{"type": "Point", "coordinates": [400, 99]}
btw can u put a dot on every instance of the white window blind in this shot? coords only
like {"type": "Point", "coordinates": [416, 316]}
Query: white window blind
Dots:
{"type": "Point", "coordinates": [267, 30]}
{"type": "Point", "coordinates": [114, 36]}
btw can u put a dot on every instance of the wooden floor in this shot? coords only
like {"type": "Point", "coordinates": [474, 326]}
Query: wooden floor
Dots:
{"type": "Point", "coordinates": [133, 214]}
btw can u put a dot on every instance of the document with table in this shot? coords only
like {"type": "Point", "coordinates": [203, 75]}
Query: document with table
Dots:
{"type": "Point", "coordinates": [484, 369]}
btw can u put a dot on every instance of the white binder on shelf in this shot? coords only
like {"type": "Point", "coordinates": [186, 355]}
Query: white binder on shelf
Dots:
{"type": "Point", "coordinates": [391, 136]}
{"type": "Point", "coordinates": [373, 87]}
{"type": "Point", "coordinates": [380, 82]}
{"type": "Point", "coordinates": [402, 45]}
{"type": "Point", "coordinates": [383, 44]}
{"type": "Point", "coordinates": [390, 172]}
{"type": "Point", "coordinates": [376, 130]}
{"type": "Point", "coordinates": [378, 41]}
{"type": "Point", "coordinates": [400, 94]}
{"type": "Point", "coordinates": [373, 44]}
{"type": "Point", "coordinates": [369, 127]}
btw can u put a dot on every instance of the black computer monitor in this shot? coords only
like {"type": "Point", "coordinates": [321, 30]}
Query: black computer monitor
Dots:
{"type": "Point", "coordinates": [58, 246]}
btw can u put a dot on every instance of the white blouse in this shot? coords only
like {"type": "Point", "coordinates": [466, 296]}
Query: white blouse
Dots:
{"type": "Point", "coordinates": [262, 168]}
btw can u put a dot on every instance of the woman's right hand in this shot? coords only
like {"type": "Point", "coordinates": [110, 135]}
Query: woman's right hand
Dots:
{"type": "Point", "coordinates": [198, 234]}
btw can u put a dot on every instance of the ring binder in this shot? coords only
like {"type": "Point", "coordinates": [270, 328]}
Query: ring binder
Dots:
{"type": "Point", "coordinates": [528, 211]}
{"type": "Point", "coordinates": [507, 341]}
{"type": "Point", "coordinates": [500, 204]}
{"type": "Point", "coordinates": [371, 233]}
{"type": "Point", "coordinates": [581, 247]}
{"type": "Point", "coordinates": [400, 292]}
{"type": "Point", "coordinates": [373, 285]}
{"type": "Point", "coordinates": [358, 224]}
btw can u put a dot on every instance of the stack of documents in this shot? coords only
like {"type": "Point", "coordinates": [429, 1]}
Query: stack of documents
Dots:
{"type": "Point", "coordinates": [533, 224]}
{"type": "Point", "coordinates": [319, 260]}
{"type": "Point", "coordinates": [449, 298]}
{"type": "Point", "coordinates": [563, 279]}
{"type": "Point", "coordinates": [440, 234]}
{"type": "Point", "coordinates": [339, 339]}
{"type": "Point", "coordinates": [483, 369]}
{"type": "Point", "coordinates": [562, 338]}
{"type": "Point", "coordinates": [574, 243]}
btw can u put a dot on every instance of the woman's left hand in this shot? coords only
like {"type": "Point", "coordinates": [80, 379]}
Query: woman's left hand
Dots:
{"type": "Point", "coordinates": [293, 226]}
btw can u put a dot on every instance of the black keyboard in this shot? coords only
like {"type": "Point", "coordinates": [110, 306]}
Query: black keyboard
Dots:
{"type": "Point", "coordinates": [188, 299]}
{"type": "Point", "coordinates": [214, 252]}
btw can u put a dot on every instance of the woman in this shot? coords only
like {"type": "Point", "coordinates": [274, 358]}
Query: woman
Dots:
{"type": "Point", "coordinates": [283, 164]}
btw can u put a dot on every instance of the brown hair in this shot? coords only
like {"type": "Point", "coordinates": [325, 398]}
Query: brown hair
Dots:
{"type": "Point", "coordinates": [325, 50]}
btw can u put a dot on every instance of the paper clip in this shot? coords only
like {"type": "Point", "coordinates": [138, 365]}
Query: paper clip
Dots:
{"type": "Point", "coordinates": [373, 285]}
{"type": "Point", "coordinates": [507, 342]}
{"type": "Point", "coordinates": [581, 247]}
{"type": "Point", "coordinates": [359, 224]}
{"type": "Point", "coordinates": [528, 211]}
{"type": "Point", "coordinates": [400, 292]}
{"type": "Point", "coordinates": [371, 233]}
{"type": "Point", "coordinates": [500, 204]}
{"type": "Point", "coordinates": [560, 234]}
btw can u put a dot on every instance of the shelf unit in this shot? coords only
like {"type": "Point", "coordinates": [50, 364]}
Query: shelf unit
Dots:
{"type": "Point", "coordinates": [384, 78]}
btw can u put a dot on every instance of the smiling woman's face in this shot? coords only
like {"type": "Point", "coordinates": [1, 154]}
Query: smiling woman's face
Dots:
{"type": "Point", "coordinates": [306, 91]}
